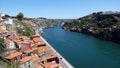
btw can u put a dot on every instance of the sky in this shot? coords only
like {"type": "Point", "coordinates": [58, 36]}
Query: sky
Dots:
{"type": "Point", "coordinates": [57, 9]}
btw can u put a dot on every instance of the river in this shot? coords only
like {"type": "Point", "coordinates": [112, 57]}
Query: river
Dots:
{"type": "Point", "coordinates": [83, 51]}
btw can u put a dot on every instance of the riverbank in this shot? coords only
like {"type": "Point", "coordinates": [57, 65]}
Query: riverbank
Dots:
{"type": "Point", "coordinates": [99, 36]}
{"type": "Point", "coordinates": [62, 60]}
{"type": "Point", "coordinates": [99, 25]}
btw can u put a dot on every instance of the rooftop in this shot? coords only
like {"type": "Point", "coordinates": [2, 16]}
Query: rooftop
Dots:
{"type": "Point", "coordinates": [3, 31]}
{"type": "Point", "coordinates": [37, 40]}
{"type": "Point", "coordinates": [25, 59]}
{"type": "Point", "coordinates": [30, 50]}
{"type": "Point", "coordinates": [13, 55]}
{"type": "Point", "coordinates": [52, 65]}
{"type": "Point", "coordinates": [8, 41]}
{"type": "Point", "coordinates": [44, 49]}
{"type": "Point", "coordinates": [35, 58]}
{"type": "Point", "coordinates": [49, 57]}
{"type": "Point", "coordinates": [12, 31]}
{"type": "Point", "coordinates": [39, 66]}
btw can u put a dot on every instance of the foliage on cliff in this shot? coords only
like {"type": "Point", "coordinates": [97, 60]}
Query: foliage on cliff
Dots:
{"type": "Point", "coordinates": [100, 25]}
{"type": "Point", "coordinates": [24, 29]}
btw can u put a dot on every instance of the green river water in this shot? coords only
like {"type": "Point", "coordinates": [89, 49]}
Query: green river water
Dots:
{"type": "Point", "coordinates": [83, 51]}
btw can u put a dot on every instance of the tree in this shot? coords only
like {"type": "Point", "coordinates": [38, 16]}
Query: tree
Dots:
{"type": "Point", "coordinates": [2, 44]}
{"type": "Point", "coordinates": [20, 16]}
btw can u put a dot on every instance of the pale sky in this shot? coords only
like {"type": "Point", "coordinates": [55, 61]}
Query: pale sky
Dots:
{"type": "Point", "coordinates": [57, 8]}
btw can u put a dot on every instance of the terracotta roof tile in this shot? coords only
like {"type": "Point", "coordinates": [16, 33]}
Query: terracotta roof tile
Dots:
{"type": "Point", "coordinates": [52, 65]}
{"type": "Point", "coordinates": [13, 55]}
{"type": "Point", "coordinates": [40, 43]}
{"type": "Point", "coordinates": [49, 57]}
{"type": "Point", "coordinates": [37, 40]}
{"type": "Point", "coordinates": [21, 42]}
{"type": "Point", "coordinates": [39, 66]}
{"type": "Point", "coordinates": [12, 51]}
{"type": "Point", "coordinates": [8, 41]}
{"type": "Point", "coordinates": [33, 45]}
{"type": "Point", "coordinates": [18, 37]}
{"type": "Point", "coordinates": [30, 50]}
{"type": "Point", "coordinates": [35, 58]}
{"type": "Point", "coordinates": [3, 31]}
{"type": "Point", "coordinates": [12, 31]}
{"type": "Point", "coordinates": [25, 59]}
{"type": "Point", "coordinates": [44, 49]}
{"type": "Point", "coordinates": [25, 38]}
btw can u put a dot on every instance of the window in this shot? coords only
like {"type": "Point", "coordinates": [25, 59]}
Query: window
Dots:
{"type": "Point", "coordinates": [43, 62]}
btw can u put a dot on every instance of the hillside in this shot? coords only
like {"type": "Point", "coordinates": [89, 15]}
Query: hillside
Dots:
{"type": "Point", "coordinates": [102, 25]}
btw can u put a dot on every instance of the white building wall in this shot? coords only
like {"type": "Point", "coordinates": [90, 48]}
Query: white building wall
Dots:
{"type": "Point", "coordinates": [35, 63]}
{"type": "Point", "coordinates": [28, 64]}
{"type": "Point", "coordinates": [21, 66]}
{"type": "Point", "coordinates": [2, 14]}
{"type": "Point", "coordinates": [11, 45]}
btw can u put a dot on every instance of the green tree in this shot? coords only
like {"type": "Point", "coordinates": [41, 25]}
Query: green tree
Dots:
{"type": "Point", "coordinates": [20, 16]}
{"type": "Point", "coordinates": [2, 44]}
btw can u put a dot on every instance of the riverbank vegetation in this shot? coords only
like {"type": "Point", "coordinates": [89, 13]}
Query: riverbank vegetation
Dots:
{"type": "Point", "coordinates": [24, 29]}
{"type": "Point", "coordinates": [102, 25]}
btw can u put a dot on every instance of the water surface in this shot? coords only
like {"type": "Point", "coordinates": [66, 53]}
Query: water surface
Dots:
{"type": "Point", "coordinates": [83, 51]}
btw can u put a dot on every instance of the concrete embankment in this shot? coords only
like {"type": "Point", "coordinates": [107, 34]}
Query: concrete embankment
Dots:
{"type": "Point", "coordinates": [62, 60]}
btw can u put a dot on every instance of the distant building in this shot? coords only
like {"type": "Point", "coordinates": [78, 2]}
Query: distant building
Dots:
{"type": "Point", "coordinates": [8, 22]}
{"type": "Point", "coordinates": [35, 60]}
{"type": "Point", "coordinates": [14, 57]}
{"type": "Point", "coordinates": [2, 26]}
{"type": "Point", "coordinates": [2, 14]}
{"type": "Point", "coordinates": [10, 44]}
{"type": "Point", "coordinates": [26, 62]}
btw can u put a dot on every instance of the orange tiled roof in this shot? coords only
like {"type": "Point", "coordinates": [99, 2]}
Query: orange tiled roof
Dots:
{"type": "Point", "coordinates": [25, 59]}
{"type": "Point", "coordinates": [13, 55]}
{"type": "Point", "coordinates": [44, 49]}
{"type": "Point", "coordinates": [25, 38]}
{"type": "Point", "coordinates": [3, 31]}
{"type": "Point", "coordinates": [12, 31]}
{"type": "Point", "coordinates": [30, 50]}
{"type": "Point", "coordinates": [18, 37]}
{"type": "Point", "coordinates": [40, 43]}
{"type": "Point", "coordinates": [52, 65]}
{"type": "Point", "coordinates": [12, 51]}
{"type": "Point", "coordinates": [8, 41]}
{"type": "Point", "coordinates": [49, 57]}
{"type": "Point", "coordinates": [35, 58]}
{"type": "Point", "coordinates": [39, 66]}
{"type": "Point", "coordinates": [9, 52]}
{"type": "Point", "coordinates": [37, 40]}
{"type": "Point", "coordinates": [21, 42]}
{"type": "Point", "coordinates": [16, 41]}
{"type": "Point", "coordinates": [22, 37]}
{"type": "Point", "coordinates": [33, 45]}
